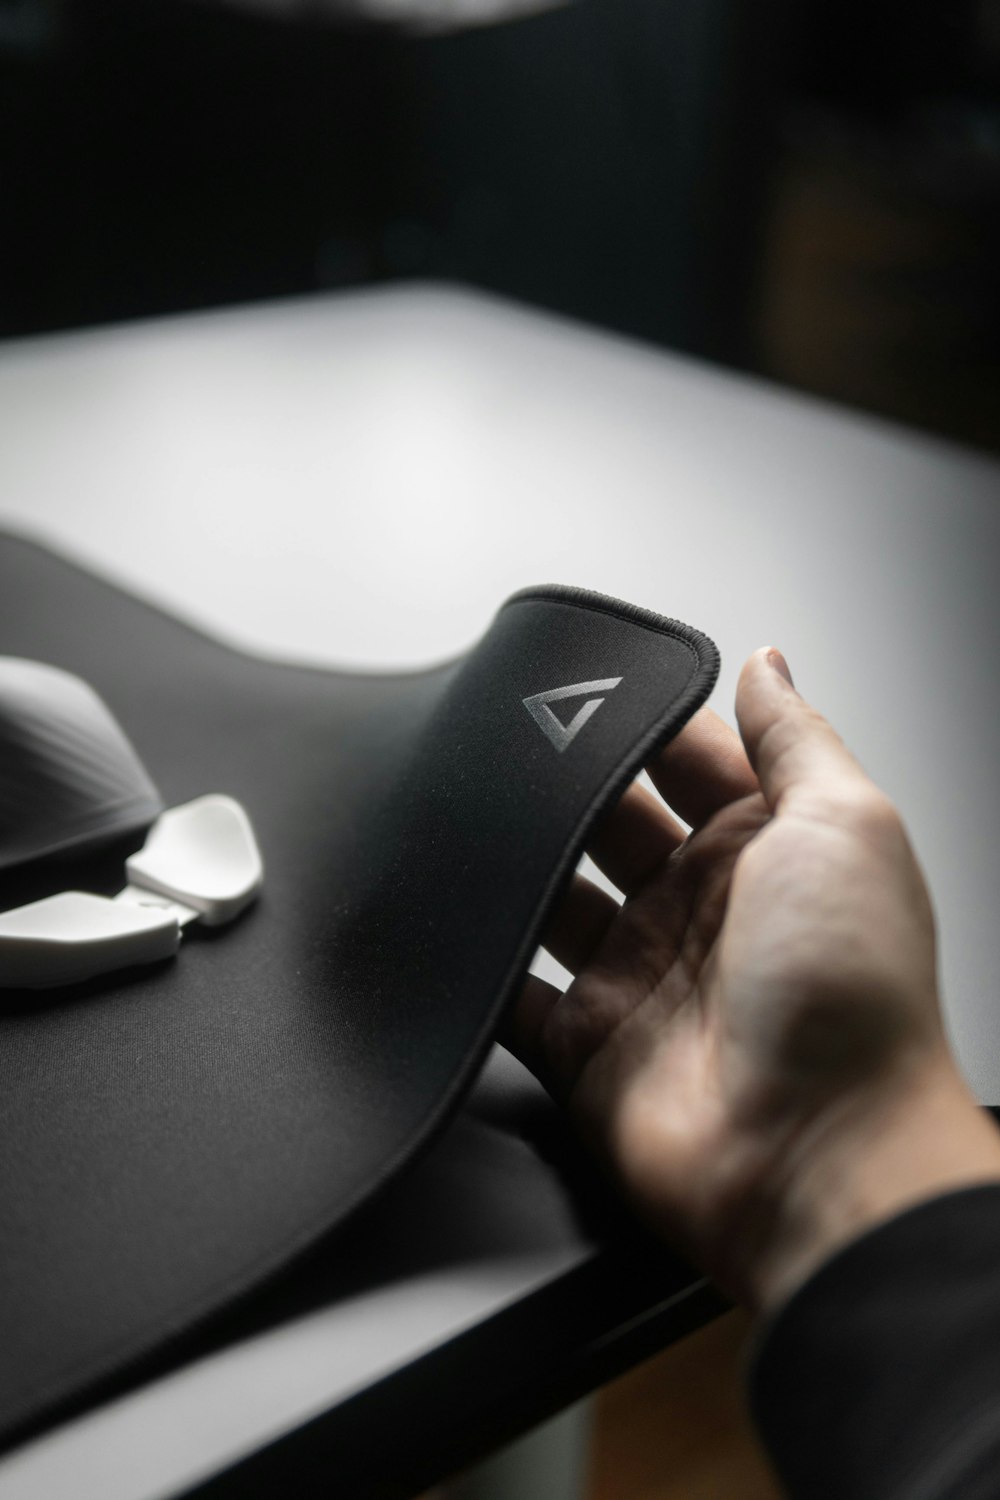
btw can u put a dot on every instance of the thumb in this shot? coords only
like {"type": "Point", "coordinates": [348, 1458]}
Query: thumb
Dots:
{"type": "Point", "coordinates": [791, 747]}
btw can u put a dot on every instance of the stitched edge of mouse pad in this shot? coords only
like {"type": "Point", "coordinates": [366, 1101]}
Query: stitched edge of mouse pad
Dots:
{"type": "Point", "coordinates": [392, 809]}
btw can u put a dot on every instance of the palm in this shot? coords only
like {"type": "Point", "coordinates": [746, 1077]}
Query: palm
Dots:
{"type": "Point", "coordinates": [651, 1026]}
{"type": "Point", "coordinates": [712, 1013]}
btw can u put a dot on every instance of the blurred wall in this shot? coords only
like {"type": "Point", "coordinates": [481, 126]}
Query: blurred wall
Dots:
{"type": "Point", "coordinates": [807, 191]}
{"type": "Point", "coordinates": [603, 158]}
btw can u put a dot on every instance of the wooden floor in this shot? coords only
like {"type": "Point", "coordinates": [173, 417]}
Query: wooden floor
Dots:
{"type": "Point", "coordinates": [676, 1428]}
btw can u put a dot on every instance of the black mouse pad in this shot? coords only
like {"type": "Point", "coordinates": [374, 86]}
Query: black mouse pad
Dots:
{"type": "Point", "coordinates": [173, 1136]}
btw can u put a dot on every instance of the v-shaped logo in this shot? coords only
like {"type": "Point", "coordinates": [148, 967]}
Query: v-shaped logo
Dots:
{"type": "Point", "coordinates": [562, 735]}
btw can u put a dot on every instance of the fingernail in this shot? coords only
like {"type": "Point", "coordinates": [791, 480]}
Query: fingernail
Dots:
{"type": "Point", "coordinates": [780, 665]}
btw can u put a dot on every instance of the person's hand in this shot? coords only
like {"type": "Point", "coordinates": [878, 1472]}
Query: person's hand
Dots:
{"type": "Point", "coordinates": [752, 1043]}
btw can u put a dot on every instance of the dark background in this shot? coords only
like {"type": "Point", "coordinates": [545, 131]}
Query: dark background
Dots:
{"type": "Point", "coordinates": [809, 191]}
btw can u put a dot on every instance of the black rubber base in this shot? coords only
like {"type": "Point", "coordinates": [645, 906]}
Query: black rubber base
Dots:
{"type": "Point", "coordinates": [174, 1137]}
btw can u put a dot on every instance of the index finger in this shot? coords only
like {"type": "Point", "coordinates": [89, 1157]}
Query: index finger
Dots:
{"type": "Point", "coordinates": [703, 769]}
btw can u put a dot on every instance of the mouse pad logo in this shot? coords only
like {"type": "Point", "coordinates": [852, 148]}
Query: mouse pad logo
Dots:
{"type": "Point", "coordinates": [562, 735]}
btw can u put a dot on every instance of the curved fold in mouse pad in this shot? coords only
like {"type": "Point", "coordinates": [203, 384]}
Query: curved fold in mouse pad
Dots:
{"type": "Point", "coordinates": [175, 1135]}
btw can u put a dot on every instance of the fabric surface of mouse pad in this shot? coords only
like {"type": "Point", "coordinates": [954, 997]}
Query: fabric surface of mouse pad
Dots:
{"type": "Point", "coordinates": [173, 1136]}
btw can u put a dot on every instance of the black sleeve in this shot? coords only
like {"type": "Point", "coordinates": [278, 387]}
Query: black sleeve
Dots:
{"type": "Point", "coordinates": [880, 1378]}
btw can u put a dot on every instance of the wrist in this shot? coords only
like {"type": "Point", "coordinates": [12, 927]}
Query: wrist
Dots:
{"type": "Point", "coordinates": [861, 1162]}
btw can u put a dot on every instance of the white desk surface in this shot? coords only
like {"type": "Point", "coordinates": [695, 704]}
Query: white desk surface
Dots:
{"type": "Point", "coordinates": [363, 479]}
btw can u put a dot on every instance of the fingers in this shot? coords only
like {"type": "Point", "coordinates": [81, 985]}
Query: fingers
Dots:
{"type": "Point", "coordinates": [791, 747]}
{"type": "Point", "coordinates": [629, 844]}
{"type": "Point", "coordinates": [524, 1023]}
{"type": "Point", "coordinates": [578, 925]}
{"type": "Point", "coordinates": [635, 837]}
{"type": "Point", "coordinates": [703, 769]}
